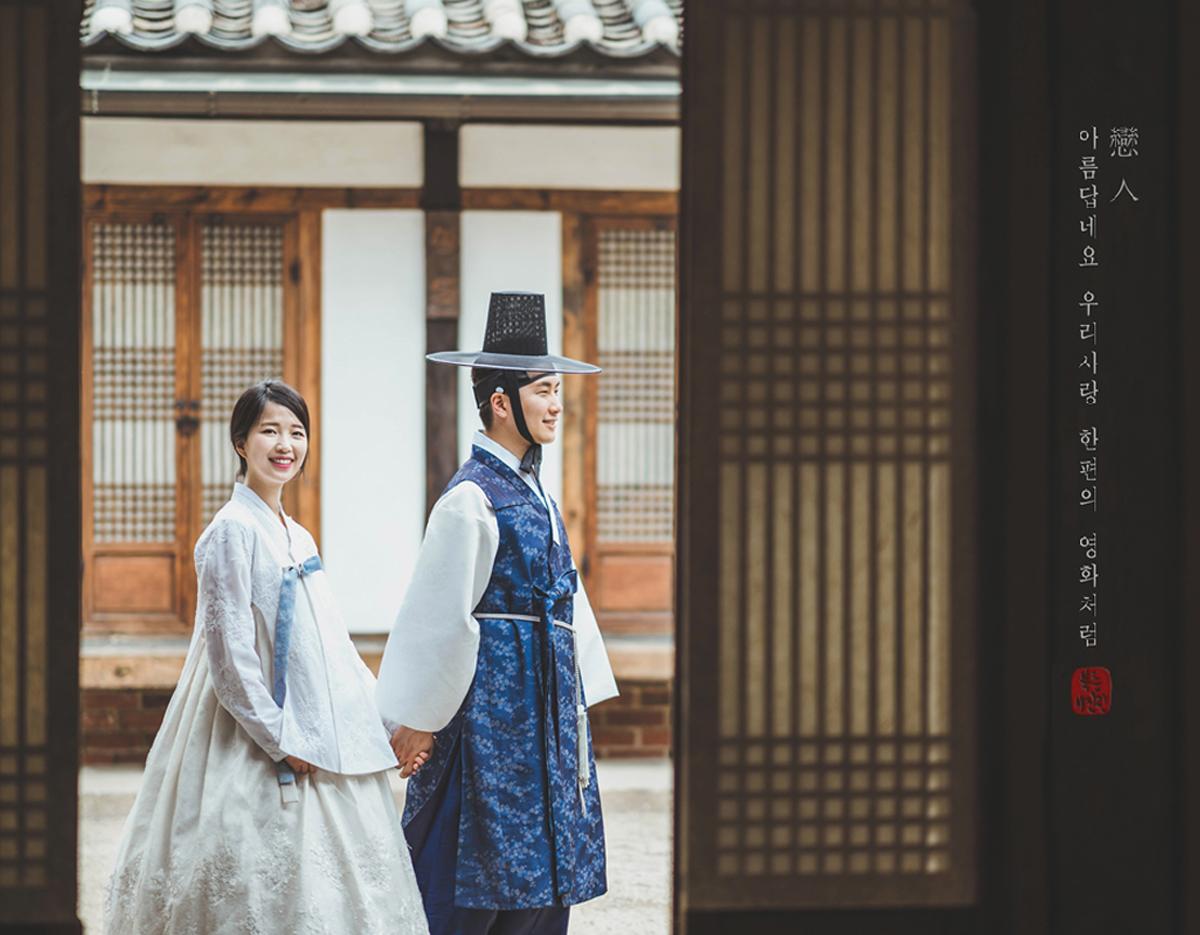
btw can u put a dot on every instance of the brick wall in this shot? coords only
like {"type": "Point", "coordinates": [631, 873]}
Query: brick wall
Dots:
{"type": "Point", "coordinates": [637, 724]}
{"type": "Point", "coordinates": [119, 724]}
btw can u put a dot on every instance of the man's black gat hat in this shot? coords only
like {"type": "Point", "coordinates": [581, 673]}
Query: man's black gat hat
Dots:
{"type": "Point", "coordinates": [515, 339]}
{"type": "Point", "coordinates": [514, 347]}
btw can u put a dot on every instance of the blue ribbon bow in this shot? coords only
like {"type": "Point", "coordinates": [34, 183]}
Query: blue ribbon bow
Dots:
{"type": "Point", "coordinates": [566, 585]}
{"type": "Point", "coordinates": [284, 617]}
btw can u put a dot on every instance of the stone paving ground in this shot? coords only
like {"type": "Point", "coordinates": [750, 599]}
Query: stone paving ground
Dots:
{"type": "Point", "coordinates": [637, 814]}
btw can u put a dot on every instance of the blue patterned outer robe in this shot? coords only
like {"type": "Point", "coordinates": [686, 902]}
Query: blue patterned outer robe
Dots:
{"type": "Point", "coordinates": [528, 837]}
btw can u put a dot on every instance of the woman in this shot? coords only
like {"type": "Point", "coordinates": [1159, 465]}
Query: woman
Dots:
{"type": "Point", "coordinates": [265, 806]}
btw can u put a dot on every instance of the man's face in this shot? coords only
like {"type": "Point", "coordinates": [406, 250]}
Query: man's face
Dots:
{"type": "Point", "coordinates": [542, 406]}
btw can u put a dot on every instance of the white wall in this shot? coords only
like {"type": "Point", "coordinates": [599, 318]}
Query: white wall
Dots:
{"type": "Point", "coordinates": [569, 157]}
{"type": "Point", "coordinates": [509, 251]}
{"type": "Point", "coordinates": [372, 409]}
{"type": "Point", "coordinates": [145, 151]}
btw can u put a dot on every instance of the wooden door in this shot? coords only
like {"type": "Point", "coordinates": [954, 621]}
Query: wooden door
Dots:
{"type": "Point", "coordinates": [827, 508]}
{"type": "Point", "coordinates": [629, 465]}
{"type": "Point", "coordinates": [182, 312]}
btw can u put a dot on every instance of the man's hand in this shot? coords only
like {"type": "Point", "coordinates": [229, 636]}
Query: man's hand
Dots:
{"type": "Point", "coordinates": [412, 749]}
{"type": "Point", "coordinates": [299, 766]}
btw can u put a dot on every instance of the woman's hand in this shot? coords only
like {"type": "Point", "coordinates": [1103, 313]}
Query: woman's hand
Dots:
{"type": "Point", "coordinates": [412, 749]}
{"type": "Point", "coordinates": [299, 766]}
{"type": "Point", "coordinates": [417, 762]}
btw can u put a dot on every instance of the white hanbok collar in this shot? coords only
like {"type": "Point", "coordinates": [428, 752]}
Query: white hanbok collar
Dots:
{"type": "Point", "coordinates": [280, 534]}
{"type": "Point", "coordinates": [493, 447]}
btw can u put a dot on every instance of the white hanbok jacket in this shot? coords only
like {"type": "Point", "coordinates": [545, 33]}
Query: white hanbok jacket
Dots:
{"type": "Point", "coordinates": [429, 661]}
{"type": "Point", "coordinates": [326, 717]}
{"type": "Point", "coordinates": [209, 847]}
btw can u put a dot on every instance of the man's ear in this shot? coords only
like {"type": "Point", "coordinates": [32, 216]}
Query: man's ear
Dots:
{"type": "Point", "coordinates": [500, 405]}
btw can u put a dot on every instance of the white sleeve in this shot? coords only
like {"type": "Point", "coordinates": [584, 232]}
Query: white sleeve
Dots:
{"type": "Point", "coordinates": [229, 633]}
{"type": "Point", "coordinates": [429, 661]}
{"type": "Point", "coordinates": [599, 683]}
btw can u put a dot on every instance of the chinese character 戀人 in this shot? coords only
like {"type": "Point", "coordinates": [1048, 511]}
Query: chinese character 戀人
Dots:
{"type": "Point", "coordinates": [1123, 142]}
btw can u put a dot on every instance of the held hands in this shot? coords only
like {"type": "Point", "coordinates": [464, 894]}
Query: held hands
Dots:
{"type": "Point", "coordinates": [412, 749]}
{"type": "Point", "coordinates": [299, 766]}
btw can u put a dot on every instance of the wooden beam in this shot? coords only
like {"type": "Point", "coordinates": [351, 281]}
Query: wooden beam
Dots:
{"type": "Point", "coordinates": [264, 198]}
{"type": "Point", "coordinates": [441, 334]}
{"type": "Point", "coordinates": [189, 384]}
{"type": "Point", "coordinates": [621, 203]}
{"type": "Point", "coordinates": [308, 360]}
{"type": "Point", "coordinates": [106, 198]}
{"type": "Point", "coordinates": [575, 393]}
{"type": "Point", "coordinates": [442, 200]}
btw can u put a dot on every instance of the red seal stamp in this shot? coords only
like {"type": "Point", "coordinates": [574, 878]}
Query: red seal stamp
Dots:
{"type": "Point", "coordinates": [1091, 690]}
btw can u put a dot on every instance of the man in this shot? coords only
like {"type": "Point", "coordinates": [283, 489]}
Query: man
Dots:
{"type": "Point", "coordinates": [493, 661]}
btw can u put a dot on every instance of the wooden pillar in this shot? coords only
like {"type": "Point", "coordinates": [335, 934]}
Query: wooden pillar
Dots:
{"type": "Point", "coordinates": [39, 464]}
{"type": "Point", "coordinates": [575, 392]}
{"type": "Point", "coordinates": [441, 199]}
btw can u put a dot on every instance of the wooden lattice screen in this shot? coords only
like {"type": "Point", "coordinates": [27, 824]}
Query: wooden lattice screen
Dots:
{"type": "Point", "coordinates": [630, 449]}
{"type": "Point", "coordinates": [134, 377]}
{"type": "Point", "coordinates": [635, 413]}
{"type": "Point", "coordinates": [835, 359]}
{"type": "Point", "coordinates": [184, 311]}
{"type": "Point", "coordinates": [241, 322]}
{"type": "Point", "coordinates": [39, 500]}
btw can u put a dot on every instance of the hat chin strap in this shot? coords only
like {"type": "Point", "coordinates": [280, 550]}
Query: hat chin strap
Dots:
{"type": "Point", "coordinates": [512, 387]}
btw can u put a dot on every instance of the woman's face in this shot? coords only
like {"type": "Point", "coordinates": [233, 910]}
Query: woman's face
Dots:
{"type": "Point", "coordinates": [276, 447]}
{"type": "Point", "coordinates": [543, 406]}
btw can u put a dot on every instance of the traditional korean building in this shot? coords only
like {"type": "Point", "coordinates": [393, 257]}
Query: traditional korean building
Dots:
{"type": "Point", "coordinates": [889, 717]}
{"type": "Point", "coordinates": [326, 191]}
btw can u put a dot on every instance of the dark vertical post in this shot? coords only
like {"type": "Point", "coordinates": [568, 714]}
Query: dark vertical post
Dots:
{"type": "Point", "coordinates": [40, 506]}
{"type": "Point", "coordinates": [1013, 282]}
{"type": "Point", "coordinates": [1187, 110]}
{"type": "Point", "coordinates": [441, 200]}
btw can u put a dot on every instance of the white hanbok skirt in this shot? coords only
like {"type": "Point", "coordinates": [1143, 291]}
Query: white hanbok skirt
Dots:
{"type": "Point", "coordinates": [209, 848]}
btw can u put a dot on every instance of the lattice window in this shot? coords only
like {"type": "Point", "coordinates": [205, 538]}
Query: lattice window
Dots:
{"type": "Point", "coordinates": [184, 310]}
{"type": "Point", "coordinates": [241, 320]}
{"type": "Point", "coordinates": [35, 317]}
{"type": "Point", "coordinates": [23, 532]}
{"type": "Point", "coordinates": [133, 382]}
{"type": "Point", "coordinates": [843, 772]}
{"type": "Point", "coordinates": [635, 337]}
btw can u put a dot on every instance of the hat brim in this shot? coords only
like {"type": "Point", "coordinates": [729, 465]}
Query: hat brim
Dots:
{"type": "Point", "coordinates": [550, 363]}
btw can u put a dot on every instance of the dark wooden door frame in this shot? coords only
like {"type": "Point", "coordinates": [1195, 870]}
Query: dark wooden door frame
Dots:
{"type": "Point", "coordinates": [40, 61]}
{"type": "Point", "coordinates": [1016, 178]}
{"type": "Point", "coordinates": [698, 560]}
{"type": "Point", "coordinates": [1187, 111]}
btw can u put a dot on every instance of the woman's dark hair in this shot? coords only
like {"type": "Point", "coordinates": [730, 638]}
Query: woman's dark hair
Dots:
{"type": "Point", "coordinates": [249, 407]}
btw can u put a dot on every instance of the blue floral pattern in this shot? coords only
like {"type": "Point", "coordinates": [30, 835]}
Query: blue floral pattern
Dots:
{"type": "Point", "coordinates": [529, 835]}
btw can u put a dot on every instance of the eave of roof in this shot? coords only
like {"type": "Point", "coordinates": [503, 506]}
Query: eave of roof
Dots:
{"type": "Point", "coordinates": [470, 31]}
{"type": "Point", "coordinates": [270, 94]}
{"type": "Point", "coordinates": [213, 64]}
{"type": "Point", "coordinates": [425, 56]}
